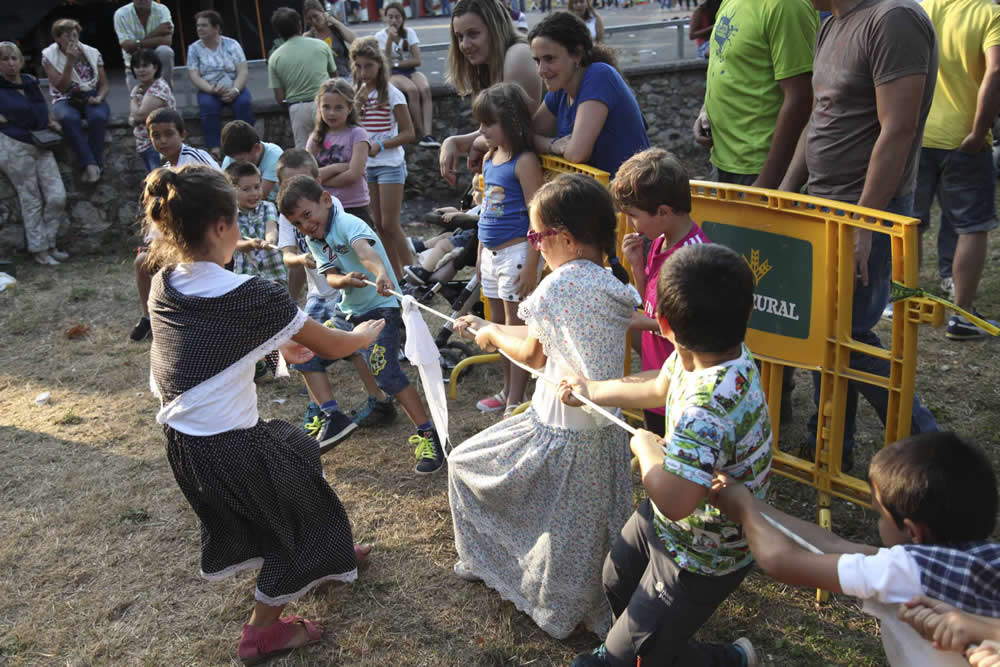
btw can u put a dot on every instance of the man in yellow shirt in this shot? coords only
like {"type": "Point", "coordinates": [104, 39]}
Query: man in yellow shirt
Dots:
{"type": "Point", "coordinates": [956, 160]}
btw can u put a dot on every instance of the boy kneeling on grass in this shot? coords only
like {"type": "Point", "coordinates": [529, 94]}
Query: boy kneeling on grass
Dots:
{"type": "Point", "coordinates": [678, 557]}
{"type": "Point", "coordinates": [936, 496]}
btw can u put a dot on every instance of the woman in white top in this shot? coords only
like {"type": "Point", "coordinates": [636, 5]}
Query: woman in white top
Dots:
{"type": "Point", "coordinates": [78, 85]}
{"type": "Point", "coordinates": [585, 10]}
{"type": "Point", "coordinates": [402, 49]}
{"type": "Point", "coordinates": [217, 67]}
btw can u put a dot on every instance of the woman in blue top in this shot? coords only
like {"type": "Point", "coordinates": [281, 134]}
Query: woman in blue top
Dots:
{"type": "Point", "coordinates": [32, 170]}
{"type": "Point", "coordinates": [589, 113]}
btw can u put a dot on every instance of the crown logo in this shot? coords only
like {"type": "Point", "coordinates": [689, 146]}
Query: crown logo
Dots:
{"type": "Point", "coordinates": [760, 269]}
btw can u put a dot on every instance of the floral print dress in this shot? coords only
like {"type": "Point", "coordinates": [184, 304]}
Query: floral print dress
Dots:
{"type": "Point", "coordinates": [538, 499]}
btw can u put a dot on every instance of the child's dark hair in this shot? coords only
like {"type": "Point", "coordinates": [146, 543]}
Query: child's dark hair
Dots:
{"type": "Point", "coordinates": [238, 136]}
{"type": "Point", "coordinates": [571, 32]}
{"type": "Point", "coordinates": [241, 169]}
{"type": "Point", "coordinates": [582, 207]}
{"type": "Point", "coordinates": [295, 190]}
{"type": "Point", "coordinates": [146, 57]}
{"type": "Point", "coordinates": [398, 6]}
{"type": "Point", "coordinates": [296, 158]}
{"type": "Point", "coordinates": [165, 115]}
{"type": "Point", "coordinates": [367, 47]}
{"type": "Point", "coordinates": [650, 179]}
{"type": "Point", "coordinates": [340, 87]}
{"type": "Point", "coordinates": [286, 22]}
{"type": "Point", "coordinates": [940, 480]}
{"type": "Point", "coordinates": [507, 104]}
{"type": "Point", "coordinates": [705, 292]}
{"type": "Point", "coordinates": [184, 203]}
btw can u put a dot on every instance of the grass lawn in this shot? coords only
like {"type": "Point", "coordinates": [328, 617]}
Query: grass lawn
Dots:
{"type": "Point", "coordinates": [99, 555]}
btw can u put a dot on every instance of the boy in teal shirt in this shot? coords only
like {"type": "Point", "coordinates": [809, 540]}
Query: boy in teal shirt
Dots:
{"type": "Point", "coordinates": [348, 252]}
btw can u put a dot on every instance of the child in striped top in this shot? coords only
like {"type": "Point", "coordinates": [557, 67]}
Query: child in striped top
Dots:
{"type": "Point", "coordinates": [385, 116]}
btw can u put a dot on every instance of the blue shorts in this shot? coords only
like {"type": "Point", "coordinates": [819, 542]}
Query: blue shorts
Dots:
{"type": "Point", "coordinates": [321, 310]}
{"type": "Point", "coordinates": [383, 355]}
{"type": "Point", "coordinates": [965, 186]}
{"type": "Point", "coordinates": [386, 175]}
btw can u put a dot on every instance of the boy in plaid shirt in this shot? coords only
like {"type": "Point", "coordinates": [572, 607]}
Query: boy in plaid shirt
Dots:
{"type": "Point", "coordinates": [257, 252]}
{"type": "Point", "coordinates": [936, 496]}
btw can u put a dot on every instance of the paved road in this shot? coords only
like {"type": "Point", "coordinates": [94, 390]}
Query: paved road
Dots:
{"type": "Point", "coordinates": [652, 45]}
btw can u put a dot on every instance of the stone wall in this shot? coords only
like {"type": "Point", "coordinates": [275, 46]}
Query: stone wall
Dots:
{"type": "Point", "coordinates": [101, 217]}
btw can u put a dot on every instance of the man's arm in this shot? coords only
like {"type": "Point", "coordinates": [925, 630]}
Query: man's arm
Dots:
{"type": "Point", "coordinates": [279, 95]}
{"type": "Point", "coordinates": [797, 173]}
{"type": "Point", "coordinates": [987, 104]}
{"type": "Point", "coordinates": [161, 35]}
{"type": "Point", "coordinates": [792, 118]}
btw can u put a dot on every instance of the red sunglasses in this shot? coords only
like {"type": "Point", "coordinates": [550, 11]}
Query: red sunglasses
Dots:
{"type": "Point", "coordinates": [535, 238]}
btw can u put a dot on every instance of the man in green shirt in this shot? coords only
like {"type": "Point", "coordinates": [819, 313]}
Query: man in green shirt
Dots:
{"type": "Point", "coordinates": [758, 91]}
{"type": "Point", "coordinates": [296, 70]}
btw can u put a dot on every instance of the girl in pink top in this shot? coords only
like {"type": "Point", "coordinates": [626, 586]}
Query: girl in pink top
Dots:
{"type": "Point", "coordinates": [340, 147]}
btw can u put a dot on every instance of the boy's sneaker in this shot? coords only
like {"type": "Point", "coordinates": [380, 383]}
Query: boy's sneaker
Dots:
{"type": "Point", "coordinates": [141, 331]}
{"type": "Point", "coordinates": [744, 646]}
{"type": "Point", "coordinates": [429, 454]}
{"type": "Point", "coordinates": [429, 142]}
{"type": "Point", "coordinates": [887, 312]}
{"type": "Point", "coordinates": [329, 429]}
{"type": "Point", "coordinates": [596, 658]}
{"type": "Point", "coordinates": [960, 328]}
{"type": "Point", "coordinates": [494, 403]}
{"type": "Point", "coordinates": [312, 412]}
{"type": "Point", "coordinates": [373, 412]}
{"type": "Point", "coordinates": [417, 274]}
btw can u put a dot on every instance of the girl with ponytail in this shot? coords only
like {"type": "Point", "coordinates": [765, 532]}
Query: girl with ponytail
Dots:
{"type": "Point", "coordinates": [257, 486]}
{"type": "Point", "coordinates": [537, 500]}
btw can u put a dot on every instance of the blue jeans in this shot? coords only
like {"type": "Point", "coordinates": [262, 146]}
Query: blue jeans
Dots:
{"type": "Point", "coordinates": [90, 148]}
{"type": "Point", "coordinates": [151, 159]}
{"type": "Point", "coordinates": [210, 107]}
{"type": "Point", "coordinates": [869, 302]}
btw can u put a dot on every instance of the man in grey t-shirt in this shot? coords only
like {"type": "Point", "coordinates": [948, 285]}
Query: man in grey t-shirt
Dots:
{"type": "Point", "coordinates": [873, 81]}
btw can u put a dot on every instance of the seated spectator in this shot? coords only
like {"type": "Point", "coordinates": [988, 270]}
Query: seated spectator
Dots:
{"type": "Point", "coordinates": [79, 86]}
{"type": "Point", "coordinates": [218, 69]}
{"type": "Point", "coordinates": [327, 28]}
{"type": "Point", "coordinates": [144, 24]}
{"type": "Point", "coordinates": [589, 114]}
{"type": "Point", "coordinates": [585, 10]}
{"type": "Point", "coordinates": [150, 94]}
{"type": "Point", "coordinates": [402, 49]}
{"type": "Point", "coordinates": [32, 170]}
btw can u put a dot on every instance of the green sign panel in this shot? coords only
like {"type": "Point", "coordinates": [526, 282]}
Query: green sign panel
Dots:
{"type": "Point", "coordinates": [782, 269]}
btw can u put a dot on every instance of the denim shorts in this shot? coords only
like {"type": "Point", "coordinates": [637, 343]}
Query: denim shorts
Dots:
{"type": "Point", "coordinates": [321, 310]}
{"type": "Point", "coordinates": [387, 175]}
{"type": "Point", "coordinates": [965, 186]}
{"type": "Point", "coordinates": [383, 355]}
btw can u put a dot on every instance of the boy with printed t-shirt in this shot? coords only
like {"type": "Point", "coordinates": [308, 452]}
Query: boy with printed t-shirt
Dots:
{"type": "Point", "coordinates": [348, 253]}
{"type": "Point", "coordinates": [652, 189]}
{"type": "Point", "coordinates": [936, 496]}
{"type": "Point", "coordinates": [678, 557]}
{"type": "Point", "coordinates": [323, 418]}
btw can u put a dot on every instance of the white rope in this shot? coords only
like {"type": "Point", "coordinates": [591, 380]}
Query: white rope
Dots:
{"type": "Point", "coordinates": [597, 408]}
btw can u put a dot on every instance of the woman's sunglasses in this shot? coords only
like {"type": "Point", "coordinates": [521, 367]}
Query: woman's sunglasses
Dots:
{"type": "Point", "coordinates": [535, 238]}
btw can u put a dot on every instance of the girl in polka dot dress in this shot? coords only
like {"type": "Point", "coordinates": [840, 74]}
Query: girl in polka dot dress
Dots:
{"type": "Point", "coordinates": [538, 499]}
{"type": "Point", "coordinates": [256, 485]}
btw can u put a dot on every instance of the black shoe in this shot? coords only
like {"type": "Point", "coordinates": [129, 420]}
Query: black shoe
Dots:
{"type": "Point", "coordinates": [373, 412]}
{"type": "Point", "coordinates": [596, 658]}
{"type": "Point", "coordinates": [429, 454]}
{"type": "Point", "coordinates": [330, 428]}
{"type": "Point", "coordinates": [141, 331]}
{"type": "Point", "coordinates": [417, 274]}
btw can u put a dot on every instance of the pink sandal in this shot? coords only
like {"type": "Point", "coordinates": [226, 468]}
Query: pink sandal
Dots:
{"type": "Point", "coordinates": [259, 645]}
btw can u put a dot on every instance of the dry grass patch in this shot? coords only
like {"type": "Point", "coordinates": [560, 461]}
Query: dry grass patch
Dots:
{"type": "Point", "coordinates": [99, 556]}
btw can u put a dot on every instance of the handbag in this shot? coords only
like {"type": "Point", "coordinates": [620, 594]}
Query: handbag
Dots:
{"type": "Point", "coordinates": [46, 138]}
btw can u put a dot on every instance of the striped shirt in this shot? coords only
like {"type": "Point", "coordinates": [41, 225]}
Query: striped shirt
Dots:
{"type": "Point", "coordinates": [192, 155]}
{"type": "Point", "coordinates": [380, 123]}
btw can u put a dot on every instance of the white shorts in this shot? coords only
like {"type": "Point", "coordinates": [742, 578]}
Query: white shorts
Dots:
{"type": "Point", "coordinates": [501, 271]}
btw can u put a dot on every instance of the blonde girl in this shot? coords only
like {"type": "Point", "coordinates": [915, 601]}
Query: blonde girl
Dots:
{"type": "Point", "coordinates": [386, 119]}
{"type": "Point", "coordinates": [340, 146]}
{"type": "Point", "coordinates": [508, 265]}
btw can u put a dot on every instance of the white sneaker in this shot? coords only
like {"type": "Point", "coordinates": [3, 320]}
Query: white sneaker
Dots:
{"type": "Point", "coordinates": [887, 312]}
{"type": "Point", "coordinates": [462, 571]}
{"type": "Point", "coordinates": [948, 287]}
{"type": "Point", "coordinates": [58, 254]}
{"type": "Point", "coordinates": [746, 647]}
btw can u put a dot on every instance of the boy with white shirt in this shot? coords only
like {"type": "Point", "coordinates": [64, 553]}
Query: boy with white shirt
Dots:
{"type": "Point", "coordinates": [936, 496]}
{"type": "Point", "coordinates": [321, 305]}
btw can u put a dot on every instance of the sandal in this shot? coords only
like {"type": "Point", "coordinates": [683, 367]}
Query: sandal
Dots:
{"type": "Point", "coordinates": [361, 552]}
{"type": "Point", "coordinates": [259, 645]}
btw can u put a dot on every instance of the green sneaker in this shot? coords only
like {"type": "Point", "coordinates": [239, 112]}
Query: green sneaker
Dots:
{"type": "Point", "coordinates": [428, 452]}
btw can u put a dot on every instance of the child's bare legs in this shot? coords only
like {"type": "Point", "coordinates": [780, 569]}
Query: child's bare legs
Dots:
{"type": "Point", "coordinates": [498, 314]}
{"type": "Point", "coordinates": [387, 200]}
{"type": "Point", "coordinates": [296, 279]}
{"type": "Point", "coordinates": [425, 102]}
{"type": "Point", "coordinates": [367, 379]}
{"type": "Point", "coordinates": [409, 90]}
{"type": "Point", "coordinates": [434, 255]}
{"type": "Point", "coordinates": [518, 376]}
{"type": "Point", "coordinates": [414, 407]}
{"type": "Point", "coordinates": [318, 383]}
{"type": "Point", "coordinates": [143, 281]}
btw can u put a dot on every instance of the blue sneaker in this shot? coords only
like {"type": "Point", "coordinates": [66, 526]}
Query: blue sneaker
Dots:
{"type": "Point", "coordinates": [596, 658]}
{"type": "Point", "coordinates": [373, 412]}
{"type": "Point", "coordinates": [960, 328]}
{"type": "Point", "coordinates": [312, 411]}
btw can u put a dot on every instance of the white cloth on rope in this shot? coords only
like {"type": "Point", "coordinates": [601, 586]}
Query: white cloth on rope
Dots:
{"type": "Point", "coordinates": [423, 353]}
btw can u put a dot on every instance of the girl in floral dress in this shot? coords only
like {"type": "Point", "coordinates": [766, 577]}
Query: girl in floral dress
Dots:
{"type": "Point", "coordinates": [538, 499]}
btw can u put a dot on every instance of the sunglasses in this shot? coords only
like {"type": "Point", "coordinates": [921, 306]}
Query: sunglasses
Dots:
{"type": "Point", "coordinates": [535, 238]}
